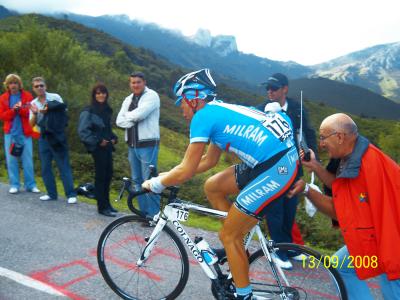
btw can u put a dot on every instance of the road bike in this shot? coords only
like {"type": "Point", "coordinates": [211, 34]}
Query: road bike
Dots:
{"type": "Point", "coordinates": [142, 258]}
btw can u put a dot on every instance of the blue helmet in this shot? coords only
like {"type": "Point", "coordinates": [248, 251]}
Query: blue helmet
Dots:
{"type": "Point", "coordinates": [195, 85]}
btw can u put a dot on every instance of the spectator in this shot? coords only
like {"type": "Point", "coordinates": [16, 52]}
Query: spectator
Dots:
{"type": "Point", "coordinates": [366, 204]}
{"type": "Point", "coordinates": [14, 112]}
{"type": "Point", "coordinates": [95, 132]}
{"type": "Point", "coordinates": [139, 115]}
{"type": "Point", "coordinates": [48, 112]}
{"type": "Point", "coordinates": [281, 213]}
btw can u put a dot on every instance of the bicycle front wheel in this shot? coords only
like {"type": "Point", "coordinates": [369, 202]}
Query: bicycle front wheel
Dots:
{"type": "Point", "coordinates": [162, 276]}
{"type": "Point", "coordinates": [307, 279]}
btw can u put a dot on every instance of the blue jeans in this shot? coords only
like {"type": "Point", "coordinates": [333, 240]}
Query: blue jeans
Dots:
{"type": "Point", "coordinates": [47, 154]}
{"type": "Point", "coordinates": [357, 289]}
{"type": "Point", "coordinates": [140, 159]}
{"type": "Point", "coordinates": [13, 165]}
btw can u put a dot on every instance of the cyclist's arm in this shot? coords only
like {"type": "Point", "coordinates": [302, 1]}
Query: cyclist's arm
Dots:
{"type": "Point", "coordinates": [322, 202]}
{"type": "Point", "coordinates": [210, 159]}
{"type": "Point", "coordinates": [187, 168]}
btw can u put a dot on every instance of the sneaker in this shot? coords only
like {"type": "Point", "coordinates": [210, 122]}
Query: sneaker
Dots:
{"type": "Point", "coordinates": [72, 200]}
{"type": "Point", "coordinates": [13, 190]}
{"type": "Point", "coordinates": [46, 198]}
{"type": "Point", "coordinates": [299, 257]}
{"type": "Point", "coordinates": [245, 297]}
{"type": "Point", "coordinates": [283, 264]}
{"type": "Point", "coordinates": [34, 190]}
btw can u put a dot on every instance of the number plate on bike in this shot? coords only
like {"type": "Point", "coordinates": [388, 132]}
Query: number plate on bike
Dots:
{"type": "Point", "coordinates": [181, 214]}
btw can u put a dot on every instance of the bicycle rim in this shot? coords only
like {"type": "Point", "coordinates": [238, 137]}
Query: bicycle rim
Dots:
{"type": "Point", "coordinates": [306, 280]}
{"type": "Point", "coordinates": [162, 276]}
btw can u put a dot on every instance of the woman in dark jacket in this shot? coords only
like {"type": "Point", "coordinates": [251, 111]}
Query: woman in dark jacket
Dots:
{"type": "Point", "coordinates": [95, 132]}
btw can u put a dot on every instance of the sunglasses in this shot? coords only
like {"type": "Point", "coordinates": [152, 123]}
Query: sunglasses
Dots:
{"type": "Point", "coordinates": [272, 88]}
{"type": "Point", "coordinates": [38, 86]}
{"type": "Point", "coordinates": [101, 93]}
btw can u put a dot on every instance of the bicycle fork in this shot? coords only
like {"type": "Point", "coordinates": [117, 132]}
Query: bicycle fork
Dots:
{"type": "Point", "coordinates": [151, 241]}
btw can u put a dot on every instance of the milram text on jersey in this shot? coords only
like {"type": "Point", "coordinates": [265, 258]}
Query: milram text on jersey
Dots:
{"type": "Point", "coordinates": [252, 135]}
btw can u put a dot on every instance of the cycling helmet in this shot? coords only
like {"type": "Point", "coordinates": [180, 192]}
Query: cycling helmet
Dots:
{"type": "Point", "coordinates": [195, 85]}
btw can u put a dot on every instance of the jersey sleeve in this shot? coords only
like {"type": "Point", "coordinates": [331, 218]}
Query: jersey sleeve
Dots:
{"type": "Point", "coordinates": [200, 127]}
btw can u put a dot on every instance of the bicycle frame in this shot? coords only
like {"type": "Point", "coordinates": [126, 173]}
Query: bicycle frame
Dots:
{"type": "Point", "coordinates": [171, 212]}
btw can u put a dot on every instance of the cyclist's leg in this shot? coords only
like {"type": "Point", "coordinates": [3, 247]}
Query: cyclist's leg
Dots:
{"type": "Point", "coordinates": [219, 186]}
{"type": "Point", "coordinates": [251, 203]}
{"type": "Point", "coordinates": [236, 226]}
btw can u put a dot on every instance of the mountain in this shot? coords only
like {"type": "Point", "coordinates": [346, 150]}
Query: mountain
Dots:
{"type": "Point", "coordinates": [4, 12]}
{"type": "Point", "coordinates": [202, 50]}
{"type": "Point", "coordinates": [376, 68]}
{"type": "Point", "coordinates": [345, 97]}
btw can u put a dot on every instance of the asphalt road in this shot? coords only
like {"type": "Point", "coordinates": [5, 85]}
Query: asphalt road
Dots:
{"type": "Point", "coordinates": [47, 251]}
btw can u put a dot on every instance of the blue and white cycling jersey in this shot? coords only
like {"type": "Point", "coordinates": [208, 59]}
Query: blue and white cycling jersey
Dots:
{"type": "Point", "coordinates": [252, 135]}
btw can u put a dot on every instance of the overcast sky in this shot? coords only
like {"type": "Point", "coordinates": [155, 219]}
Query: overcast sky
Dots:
{"type": "Point", "coordinates": [305, 31]}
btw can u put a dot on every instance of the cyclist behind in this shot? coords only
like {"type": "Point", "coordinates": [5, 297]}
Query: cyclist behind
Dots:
{"type": "Point", "coordinates": [263, 141]}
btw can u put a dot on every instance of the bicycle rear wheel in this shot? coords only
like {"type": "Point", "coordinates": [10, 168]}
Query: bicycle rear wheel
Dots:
{"type": "Point", "coordinates": [307, 279]}
{"type": "Point", "coordinates": [162, 276]}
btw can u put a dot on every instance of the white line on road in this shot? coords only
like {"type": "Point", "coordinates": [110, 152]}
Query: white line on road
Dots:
{"type": "Point", "coordinates": [29, 282]}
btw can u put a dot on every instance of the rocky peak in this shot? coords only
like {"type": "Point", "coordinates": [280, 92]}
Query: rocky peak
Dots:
{"type": "Point", "coordinates": [202, 38]}
{"type": "Point", "coordinates": [222, 44]}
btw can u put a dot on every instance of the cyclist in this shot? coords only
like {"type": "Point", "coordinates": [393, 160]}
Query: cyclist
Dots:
{"type": "Point", "coordinates": [262, 141]}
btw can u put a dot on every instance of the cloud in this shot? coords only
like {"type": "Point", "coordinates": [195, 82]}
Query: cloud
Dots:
{"type": "Point", "coordinates": [39, 6]}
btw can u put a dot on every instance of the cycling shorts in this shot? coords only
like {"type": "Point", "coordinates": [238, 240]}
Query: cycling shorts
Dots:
{"type": "Point", "coordinates": [265, 182]}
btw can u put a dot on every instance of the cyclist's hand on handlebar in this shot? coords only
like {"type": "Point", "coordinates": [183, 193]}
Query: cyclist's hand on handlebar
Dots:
{"type": "Point", "coordinates": [154, 184]}
{"type": "Point", "coordinates": [146, 185]}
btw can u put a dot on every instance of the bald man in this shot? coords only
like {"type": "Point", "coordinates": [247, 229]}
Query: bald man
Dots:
{"type": "Point", "coordinates": [365, 202]}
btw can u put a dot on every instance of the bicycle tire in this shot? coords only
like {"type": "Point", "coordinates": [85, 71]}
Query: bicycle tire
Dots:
{"type": "Point", "coordinates": [132, 207]}
{"type": "Point", "coordinates": [156, 275]}
{"type": "Point", "coordinates": [320, 282]}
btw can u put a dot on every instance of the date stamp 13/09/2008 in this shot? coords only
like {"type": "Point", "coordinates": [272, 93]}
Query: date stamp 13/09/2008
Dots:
{"type": "Point", "coordinates": [312, 262]}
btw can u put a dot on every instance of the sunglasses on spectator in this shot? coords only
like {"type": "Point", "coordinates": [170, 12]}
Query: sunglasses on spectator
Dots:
{"type": "Point", "coordinates": [38, 86]}
{"type": "Point", "coordinates": [101, 93]}
{"type": "Point", "coordinates": [272, 88]}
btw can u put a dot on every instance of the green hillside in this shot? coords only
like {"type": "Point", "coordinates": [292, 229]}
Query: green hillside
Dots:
{"type": "Point", "coordinates": [73, 58]}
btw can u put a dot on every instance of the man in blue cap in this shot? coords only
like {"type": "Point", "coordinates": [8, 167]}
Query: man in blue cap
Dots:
{"type": "Point", "coordinates": [281, 213]}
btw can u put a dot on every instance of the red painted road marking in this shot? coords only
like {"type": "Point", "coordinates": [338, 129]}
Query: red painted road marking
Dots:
{"type": "Point", "coordinates": [46, 276]}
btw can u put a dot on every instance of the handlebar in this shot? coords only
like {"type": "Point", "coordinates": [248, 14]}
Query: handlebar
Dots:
{"type": "Point", "coordinates": [173, 192]}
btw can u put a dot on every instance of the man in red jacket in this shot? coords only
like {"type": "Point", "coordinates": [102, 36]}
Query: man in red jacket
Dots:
{"type": "Point", "coordinates": [14, 112]}
{"type": "Point", "coordinates": [365, 202]}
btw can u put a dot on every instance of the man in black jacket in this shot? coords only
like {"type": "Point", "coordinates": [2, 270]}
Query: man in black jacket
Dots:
{"type": "Point", "coordinates": [281, 213]}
